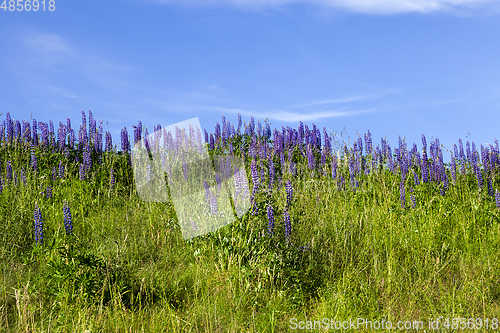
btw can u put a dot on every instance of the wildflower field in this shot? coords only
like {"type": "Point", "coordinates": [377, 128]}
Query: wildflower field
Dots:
{"type": "Point", "coordinates": [334, 230]}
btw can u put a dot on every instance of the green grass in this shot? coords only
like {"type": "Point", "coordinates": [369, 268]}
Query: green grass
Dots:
{"type": "Point", "coordinates": [127, 267]}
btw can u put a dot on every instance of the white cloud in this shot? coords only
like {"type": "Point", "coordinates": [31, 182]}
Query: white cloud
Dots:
{"type": "Point", "coordinates": [46, 49]}
{"type": "Point", "coordinates": [357, 6]}
{"type": "Point", "coordinates": [345, 99]}
{"type": "Point", "coordinates": [293, 116]}
{"type": "Point", "coordinates": [61, 92]}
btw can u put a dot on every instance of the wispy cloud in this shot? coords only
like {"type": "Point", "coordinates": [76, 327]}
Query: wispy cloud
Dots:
{"type": "Point", "coordinates": [358, 6]}
{"type": "Point", "coordinates": [46, 49]}
{"type": "Point", "coordinates": [345, 99]}
{"type": "Point", "coordinates": [445, 102]}
{"type": "Point", "coordinates": [61, 92]}
{"type": "Point", "coordinates": [291, 117]}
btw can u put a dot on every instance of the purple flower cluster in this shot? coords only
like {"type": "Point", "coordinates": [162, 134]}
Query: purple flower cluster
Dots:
{"type": "Point", "coordinates": [111, 179]}
{"type": "Point", "coordinates": [68, 223]}
{"type": "Point", "coordinates": [270, 218]}
{"type": "Point", "coordinates": [288, 224]}
{"type": "Point", "coordinates": [38, 225]}
{"type": "Point", "coordinates": [289, 193]}
{"type": "Point", "coordinates": [497, 198]}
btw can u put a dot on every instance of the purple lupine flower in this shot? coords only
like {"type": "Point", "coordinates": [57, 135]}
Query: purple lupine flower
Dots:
{"type": "Point", "coordinates": [82, 171]}
{"type": "Point", "coordinates": [289, 193]}
{"type": "Point", "coordinates": [193, 225]}
{"type": "Point", "coordinates": [26, 131]}
{"type": "Point", "coordinates": [34, 132]}
{"type": "Point", "coordinates": [124, 140]}
{"type": "Point", "coordinates": [109, 142]}
{"type": "Point", "coordinates": [424, 167]}
{"type": "Point", "coordinates": [10, 128]}
{"type": "Point", "coordinates": [310, 157]}
{"type": "Point", "coordinates": [51, 132]}
{"type": "Point", "coordinates": [49, 192]}
{"type": "Point", "coordinates": [271, 173]}
{"type": "Point", "coordinates": [8, 169]}
{"type": "Point", "coordinates": [390, 161]}
{"type": "Point", "coordinates": [206, 136]}
{"type": "Point", "coordinates": [212, 142]}
{"type": "Point", "coordinates": [497, 198]}
{"type": "Point", "coordinates": [360, 145]}
{"type": "Point", "coordinates": [91, 123]}
{"type": "Point", "coordinates": [18, 130]}
{"type": "Point", "coordinates": [412, 197]}
{"type": "Point", "coordinates": [54, 175]}
{"type": "Point", "coordinates": [61, 170]}
{"type": "Point", "coordinates": [251, 126]}
{"type": "Point", "coordinates": [185, 169]}
{"type": "Point", "coordinates": [34, 163]}
{"type": "Point", "coordinates": [213, 204]}
{"type": "Point", "coordinates": [61, 136]}
{"type": "Point", "coordinates": [207, 191]}
{"type": "Point", "coordinates": [23, 176]}
{"type": "Point", "coordinates": [198, 140]}
{"type": "Point", "coordinates": [479, 175]}
{"type": "Point", "coordinates": [293, 168]}
{"type": "Point", "coordinates": [467, 149]}
{"type": "Point", "coordinates": [217, 133]}
{"type": "Point", "coordinates": [239, 123]}
{"type": "Point", "coordinates": [402, 196]}
{"type": "Point", "coordinates": [301, 132]}
{"type": "Point", "coordinates": [453, 169]}
{"type": "Point", "coordinates": [341, 183]}
{"type": "Point", "coordinates": [15, 178]}
{"type": "Point", "coordinates": [138, 132]}
{"type": "Point", "coordinates": [255, 176]}
{"type": "Point", "coordinates": [279, 182]}
{"type": "Point", "coordinates": [282, 159]}
{"type": "Point", "coordinates": [218, 180]}
{"type": "Point", "coordinates": [270, 218]}
{"type": "Point", "coordinates": [68, 223]}
{"type": "Point", "coordinates": [84, 120]}
{"type": "Point", "coordinates": [415, 178]}
{"type": "Point", "coordinates": [288, 224]}
{"type": "Point", "coordinates": [493, 161]}
{"type": "Point", "coordinates": [490, 187]}
{"type": "Point", "coordinates": [38, 225]}
{"type": "Point", "coordinates": [461, 151]}
{"type": "Point", "coordinates": [334, 167]}
{"type": "Point", "coordinates": [111, 179]}
{"type": "Point", "coordinates": [72, 138]}
{"type": "Point", "coordinates": [268, 131]}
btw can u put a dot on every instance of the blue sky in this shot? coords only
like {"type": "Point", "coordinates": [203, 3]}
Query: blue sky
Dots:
{"type": "Point", "coordinates": [394, 67]}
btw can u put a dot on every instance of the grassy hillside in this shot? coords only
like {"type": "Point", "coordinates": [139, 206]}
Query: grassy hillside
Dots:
{"type": "Point", "coordinates": [336, 231]}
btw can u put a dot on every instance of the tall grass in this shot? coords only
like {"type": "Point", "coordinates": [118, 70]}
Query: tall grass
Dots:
{"type": "Point", "coordinates": [363, 239]}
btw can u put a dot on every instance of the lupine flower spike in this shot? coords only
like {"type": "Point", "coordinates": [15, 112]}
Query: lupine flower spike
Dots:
{"type": "Point", "coordinates": [288, 224]}
{"type": "Point", "coordinates": [38, 225]}
{"type": "Point", "coordinates": [497, 198]}
{"type": "Point", "coordinates": [289, 193]}
{"type": "Point", "coordinates": [270, 218]}
{"type": "Point", "coordinates": [68, 223]}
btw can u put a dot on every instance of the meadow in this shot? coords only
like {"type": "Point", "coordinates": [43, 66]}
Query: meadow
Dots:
{"type": "Point", "coordinates": [337, 230]}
